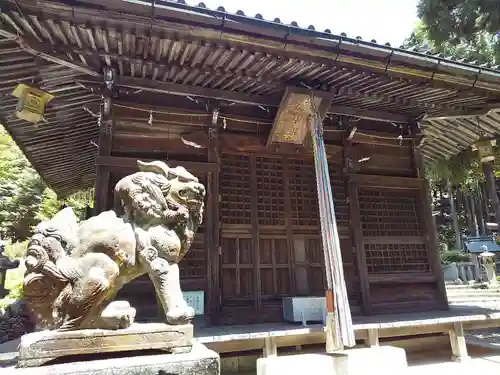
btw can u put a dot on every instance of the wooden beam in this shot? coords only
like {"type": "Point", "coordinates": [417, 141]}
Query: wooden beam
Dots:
{"type": "Point", "coordinates": [131, 163]}
{"type": "Point", "coordinates": [274, 101]}
{"type": "Point", "coordinates": [386, 182]}
{"type": "Point", "coordinates": [248, 143]}
{"type": "Point", "coordinates": [170, 88]}
{"type": "Point", "coordinates": [381, 139]}
{"type": "Point", "coordinates": [369, 114]}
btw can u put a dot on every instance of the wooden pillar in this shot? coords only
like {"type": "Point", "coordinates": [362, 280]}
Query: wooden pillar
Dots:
{"type": "Point", "coordinates": [429, 229]}
{"type": "Point", "coordinates": [255, 234]}
{"type": "Point", "coordinates": [356, 231]}
{"type": "Point", "coordinates": [288, 223]}
{"type": "Point", "coordinates": [105, 142]}
{"type": "Point", "coordinates": [212, 226]}
{"type": "Point", "coordinates": [458, 344]}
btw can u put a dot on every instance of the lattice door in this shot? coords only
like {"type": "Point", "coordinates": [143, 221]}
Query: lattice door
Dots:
{"type": "Point", "coordinates": [270, 191]}
{"type": "Point", "coordinates": [237, 271]}
{"type": "Point", "coordinates": [392, 234]}
{"type": "Point", "coordinates": [235, 190]}
{"type": "Point", "coordinates": [303, 196]}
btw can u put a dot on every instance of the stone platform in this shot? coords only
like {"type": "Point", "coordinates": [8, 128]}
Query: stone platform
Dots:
{"type": "Point", "coordinates": [384, 360]}
{"type": "Point", "coordinates": [38, 348]}
{"type": "Point", "coordinates": [199, 361]}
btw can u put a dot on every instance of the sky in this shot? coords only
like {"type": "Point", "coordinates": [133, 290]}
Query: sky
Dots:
{"type": "Point", "coordinates": [383, 20]}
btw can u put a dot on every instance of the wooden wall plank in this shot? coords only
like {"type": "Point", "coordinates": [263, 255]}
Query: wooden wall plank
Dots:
{"type": "Point", "coordinates": [130, 164]}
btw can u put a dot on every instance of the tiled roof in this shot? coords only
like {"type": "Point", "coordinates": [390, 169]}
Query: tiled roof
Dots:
{"type": "Point", "coordinates": [423, 50]}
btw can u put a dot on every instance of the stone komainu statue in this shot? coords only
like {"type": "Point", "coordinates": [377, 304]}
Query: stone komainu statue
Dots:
{"type": "Point", "coordinates": [75, 269]}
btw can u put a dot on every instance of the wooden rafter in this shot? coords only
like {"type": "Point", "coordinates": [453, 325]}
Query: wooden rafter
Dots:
{"type": "Point", "coordinates": [167, 88]}
{"type": "Point", "coordinates": [56, 53]}
{"type": "Point", "coordinates": [197, 26]}
{"type": "Point", "coordinates": [46, 52]}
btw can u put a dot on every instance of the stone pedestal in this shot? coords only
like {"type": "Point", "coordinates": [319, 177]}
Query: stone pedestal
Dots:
{"type": "Point", "coordinates": [41, 347]}
{"type": "Point", "coordinates": [199, 361]}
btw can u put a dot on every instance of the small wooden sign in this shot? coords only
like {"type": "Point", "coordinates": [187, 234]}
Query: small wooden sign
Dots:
{"type": "Point", "coordinates": [291, 122]}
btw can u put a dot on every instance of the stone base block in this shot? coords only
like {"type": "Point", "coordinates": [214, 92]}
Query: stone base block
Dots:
{"type": "Point", "coordinates": [40, 347]}
{"type": "Point", "coordinates": [199, 361]}
{"type": "Point", "coordinates": [383, 360]}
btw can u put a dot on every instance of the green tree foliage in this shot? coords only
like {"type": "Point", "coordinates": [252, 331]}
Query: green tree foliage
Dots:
{"type": "Point", "coordinates": [482, 50]}
{"type": "Point", "coordinates": [24, 198]}
{"type": "Point", "coordinates": [463, 22]}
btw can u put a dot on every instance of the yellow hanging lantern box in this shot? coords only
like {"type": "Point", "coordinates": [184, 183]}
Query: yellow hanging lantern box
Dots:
{"type": "Point", "coordinates": [31, 104]}
{"type": "Point", "coordinates": [485, 150]}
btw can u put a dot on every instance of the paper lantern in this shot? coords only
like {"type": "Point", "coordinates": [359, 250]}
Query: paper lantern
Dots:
{"type": "Point", "coordinates": [31, 104]}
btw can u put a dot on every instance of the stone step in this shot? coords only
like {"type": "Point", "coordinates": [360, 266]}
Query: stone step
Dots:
{"type": "Point", "coordinates": [481, 304]}
{"type": "Point", "coordinates": [472, 291]}
{"type": "Point", "coordinates": [472, 287]}
{"type": "Point", "coordinates": [474, 299]}
{"type": "Point", "coordinates": [473, 296]}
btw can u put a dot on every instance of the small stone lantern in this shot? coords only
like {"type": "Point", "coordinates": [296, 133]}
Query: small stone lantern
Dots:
{"type": "Point", "coordinates": [487, 260]}
{"type": "Point", "coordinates": [5, 265]}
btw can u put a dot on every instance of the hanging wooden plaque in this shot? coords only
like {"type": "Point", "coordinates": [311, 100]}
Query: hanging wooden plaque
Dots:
{"type": "Point", "coordinates": [291, 122]}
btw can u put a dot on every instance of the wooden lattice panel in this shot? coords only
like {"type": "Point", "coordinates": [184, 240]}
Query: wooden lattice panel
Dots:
{"type": "Point", "coordinates": [389, 213]}
{"type": "Point", "coordinates": [235, 190]}
{"type": "Point", "coordinates": [339, 194]}
{"type": "Point", "coordinates": [270, 191]}
{"type": "Point", "coordinates": [303, 196]}
{"type": "Point", "coordinates": [390, 258]}
{"type": "Point", "coordinates": [193, 266]}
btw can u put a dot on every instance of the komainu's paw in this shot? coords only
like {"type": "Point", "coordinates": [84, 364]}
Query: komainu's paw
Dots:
{"type": "Point", "coordinates": [117, 315]}
{"type": "Point", "coordinates": [180, 315]}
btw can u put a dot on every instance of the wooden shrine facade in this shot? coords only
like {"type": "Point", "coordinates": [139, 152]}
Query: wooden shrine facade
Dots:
{"type": "Point", "coordinates": [261, 238]}
{"type": "Point", "coordinates": [202, 88]}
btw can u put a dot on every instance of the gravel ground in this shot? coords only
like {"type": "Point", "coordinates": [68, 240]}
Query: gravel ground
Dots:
{"type": "Point", "coordinates": [491, 335]}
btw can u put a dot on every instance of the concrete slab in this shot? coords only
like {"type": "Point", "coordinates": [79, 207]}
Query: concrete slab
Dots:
{"type": "Point", "coordinates": [386, 360]}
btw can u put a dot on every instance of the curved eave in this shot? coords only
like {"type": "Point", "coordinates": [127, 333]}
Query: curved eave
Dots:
{"type": "Point", "coordinates": [60, 149]}
{"type": "Point", "coordinates": [447, 137]}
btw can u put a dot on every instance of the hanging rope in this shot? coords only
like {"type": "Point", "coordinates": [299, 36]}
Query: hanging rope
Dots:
{"type": "Point", "coordinates": [331, 245]}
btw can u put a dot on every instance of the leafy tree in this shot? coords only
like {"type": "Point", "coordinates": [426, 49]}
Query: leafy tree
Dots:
{"type": "Point", "coordinates": [459, 22]}
{"type": "Point", "coordinates": [25, 200]}
{"type": "Point", "coordinates": [21, 190]}
{"type": "Point", "coordinates": [482, 50]}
